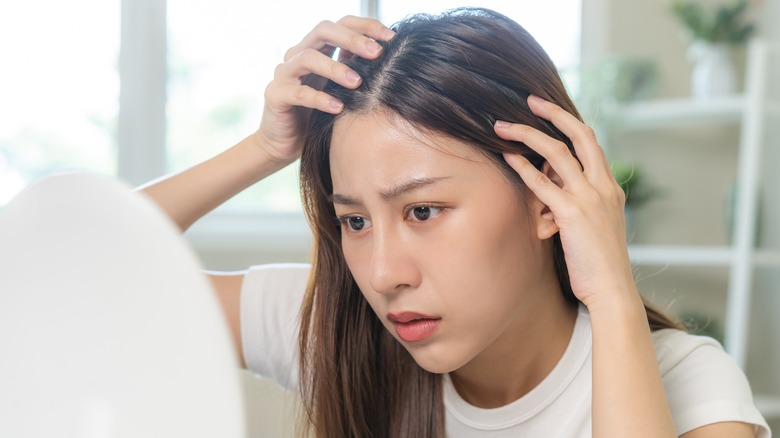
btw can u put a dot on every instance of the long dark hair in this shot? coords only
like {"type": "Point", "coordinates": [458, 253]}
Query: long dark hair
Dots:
{"type": "Point", "coordinates": [455, 73]}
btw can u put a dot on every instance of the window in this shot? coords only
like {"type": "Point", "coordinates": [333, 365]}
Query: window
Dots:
{"type": "Point", "coordinates": [222, 53]}
{"type": "Point", "coordinates": [60, 88]}
{"type": "Point", "coordinates": [61, 93]}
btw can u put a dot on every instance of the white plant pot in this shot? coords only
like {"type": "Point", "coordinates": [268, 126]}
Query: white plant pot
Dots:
{"type": "Point", "coordinates": [713, 71]}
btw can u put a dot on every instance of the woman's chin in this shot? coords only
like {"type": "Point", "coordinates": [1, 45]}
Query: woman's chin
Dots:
{"type": "Point", "coordinates": [437, 363]}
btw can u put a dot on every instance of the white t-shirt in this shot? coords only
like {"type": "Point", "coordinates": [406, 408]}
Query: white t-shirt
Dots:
{"type": "Point", "coordinates": [703, 384]}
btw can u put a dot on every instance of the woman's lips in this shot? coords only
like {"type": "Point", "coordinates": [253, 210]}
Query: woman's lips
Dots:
{"type": "Point", "coordinates": [414, 327]}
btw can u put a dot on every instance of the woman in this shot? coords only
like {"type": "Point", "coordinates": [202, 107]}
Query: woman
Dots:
{"type": "Point", "coordinates": [471, 276]}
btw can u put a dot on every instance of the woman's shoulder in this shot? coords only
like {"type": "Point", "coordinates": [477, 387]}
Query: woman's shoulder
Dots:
{"type": "Point", "coordinates": [703, 384]}
{"type": "Point", "coordinates": [697, 360]}
{"type": "Point", "coordinates": [271, 297]}
{"type": "Point", "coordinates": [674, 348]}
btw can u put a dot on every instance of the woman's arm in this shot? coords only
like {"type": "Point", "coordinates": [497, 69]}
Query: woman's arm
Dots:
{"type": "Point", "coordinates": [188, 196]}
{"type": "Point", "coordinates": [289, 99]}
{"type": "Point", "coordinates": [587, 205]}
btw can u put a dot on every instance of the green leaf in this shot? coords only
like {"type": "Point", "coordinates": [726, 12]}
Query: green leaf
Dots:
{"type": "Point", "coordinates": [722, 24]}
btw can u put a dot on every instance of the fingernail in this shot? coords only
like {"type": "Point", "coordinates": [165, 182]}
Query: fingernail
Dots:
{"type": "Point", "coordinates": [535, 98]}
{"type": "Point", "coordinates": [335, 104]}
{"type": "Point", "coordinates": [373, 46]}
{"type": "Point", "coordinates": [502, 124]}
{"type": "Point", "coordinates": [389, 34]}
{"type": "Point", "coordinates": [353, 77]}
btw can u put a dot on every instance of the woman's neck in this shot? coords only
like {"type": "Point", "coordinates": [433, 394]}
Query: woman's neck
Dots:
{"type": "Point", "coordinates": [518, 360]}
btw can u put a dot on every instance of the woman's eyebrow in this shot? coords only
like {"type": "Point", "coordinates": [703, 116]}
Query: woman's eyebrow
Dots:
{"type": "Point", "coordinates": [343, 200]}
{"type": "Point", "coordinates": [390, 194]}
{"type": "Point", "coordinates": [409, 186]}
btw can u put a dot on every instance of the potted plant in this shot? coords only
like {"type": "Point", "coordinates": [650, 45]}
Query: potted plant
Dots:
{"type": "Point", "coordinates": [712, 31]}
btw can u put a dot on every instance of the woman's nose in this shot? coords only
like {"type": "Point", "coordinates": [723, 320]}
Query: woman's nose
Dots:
{"type": "Point", "coordinates": [393, 266]}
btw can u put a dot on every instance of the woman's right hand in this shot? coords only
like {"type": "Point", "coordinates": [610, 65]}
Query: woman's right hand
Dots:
{"type": "Point", "coordinates": [296, 87]}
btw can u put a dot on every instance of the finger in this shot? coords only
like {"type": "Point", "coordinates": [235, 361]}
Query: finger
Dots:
{"type": "Point", "coordinates": [589, 152]}
{"type": "Point", "coordinates": [311, 61]}
{"type": "Point", "coordinates": [368, 26]}
{"type": "Point", "coordinates": [354, 34]}
{"type": "Point", "coordinates": [555, 152]}
{"type": "Point", "coordinates": [540, 184]}
{"type": "Point", "coordinates": [281, 97]}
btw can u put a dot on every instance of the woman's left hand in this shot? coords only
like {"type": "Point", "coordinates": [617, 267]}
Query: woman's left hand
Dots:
{"type": "Point", "coordinates": [586, 202]}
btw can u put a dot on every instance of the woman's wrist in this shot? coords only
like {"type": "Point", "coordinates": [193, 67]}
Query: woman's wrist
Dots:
{"type": "Point", "coordinates": [618, 316]}
{"type": "Point", "coordinates": [616, 292]}
{"type": "Point", "coordinates": [268, 154]}
{"type": "Point", "coordinates": [624, 365]}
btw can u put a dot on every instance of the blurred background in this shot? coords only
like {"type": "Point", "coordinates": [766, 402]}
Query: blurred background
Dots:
{"type": "Point", "coordinates": [678, 91]}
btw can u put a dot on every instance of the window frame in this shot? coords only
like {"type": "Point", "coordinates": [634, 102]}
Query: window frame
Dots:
{"type": "Point", "coordinates": [141, 145]}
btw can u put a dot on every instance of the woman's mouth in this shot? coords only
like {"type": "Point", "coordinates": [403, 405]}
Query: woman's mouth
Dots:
{"type": "Point", "coordinates": [414, 327]}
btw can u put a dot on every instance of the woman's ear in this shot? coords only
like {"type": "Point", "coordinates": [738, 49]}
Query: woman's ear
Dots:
{"type": "Point", "coordinates": [542, 215]}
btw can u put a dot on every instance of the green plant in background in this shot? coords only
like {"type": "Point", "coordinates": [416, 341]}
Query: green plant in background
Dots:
{"type": "Point", "coordinates": [720, 25]}
{"type": "Point", "coordinates": [631, 179]}
{"type": "Point", "coordinates": [619, 78]}
{"type": "Point", "coordinates": [626, 78]}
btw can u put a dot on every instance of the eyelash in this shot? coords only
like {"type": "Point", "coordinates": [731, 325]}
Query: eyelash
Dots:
{"type": "Point", "coordinates": [410, 210]}
{"type": "Point", "coordinates": [343, 221]}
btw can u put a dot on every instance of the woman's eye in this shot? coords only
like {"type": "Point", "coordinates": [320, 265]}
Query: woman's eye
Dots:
{"type": "Point", "coordinates": [355, 223]}
{"type": "Point", "coordinates": [423, 213]}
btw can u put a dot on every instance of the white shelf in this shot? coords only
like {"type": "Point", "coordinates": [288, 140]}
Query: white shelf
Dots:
{"type": "Point", "coordinates": [764, 258]}
{"type": "Point", "coordinates": [677, 255]}
{"type": "Point", "coordinates": [696, 255]}
{"type": "Point", "coordinates": [678, 112]}
{"type": "Point", "coordinates": [750, 111]}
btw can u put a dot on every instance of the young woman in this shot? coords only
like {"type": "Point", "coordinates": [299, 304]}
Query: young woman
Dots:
{"type": "Point", "coordinates": [470, 275]}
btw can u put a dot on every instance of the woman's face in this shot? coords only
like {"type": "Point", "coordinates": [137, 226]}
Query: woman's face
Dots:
{"type": "Point", "coordinates": [438, 240]}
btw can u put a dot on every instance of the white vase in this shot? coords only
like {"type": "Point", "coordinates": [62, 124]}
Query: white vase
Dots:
{"type": "Point", "coordinates": [713, 71]}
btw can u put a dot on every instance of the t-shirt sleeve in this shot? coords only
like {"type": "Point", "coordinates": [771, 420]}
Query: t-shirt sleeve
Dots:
{"type": "Point", "coordinates": [271, 297]}
{"type": "Point", "coordinates": [703, 383]}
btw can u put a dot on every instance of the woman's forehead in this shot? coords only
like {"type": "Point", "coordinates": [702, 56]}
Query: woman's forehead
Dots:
{"type": "Point", "coordinates": [389, 130]}
{"type": "Point", "coordinates": [371, 155]}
